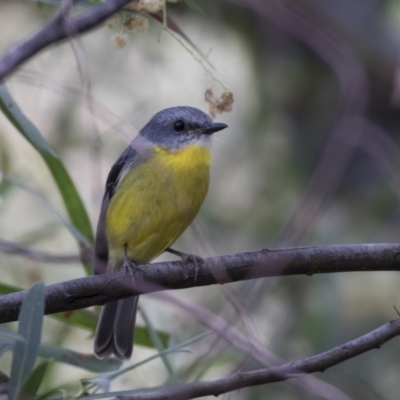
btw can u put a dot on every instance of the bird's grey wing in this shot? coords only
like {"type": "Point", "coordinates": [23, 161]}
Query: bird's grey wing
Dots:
{"type": "Point", "coordinates": [126, 159]}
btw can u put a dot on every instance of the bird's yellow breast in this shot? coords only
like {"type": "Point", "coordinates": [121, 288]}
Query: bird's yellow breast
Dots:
{"type": "Point", "coordinates": [155, 202]}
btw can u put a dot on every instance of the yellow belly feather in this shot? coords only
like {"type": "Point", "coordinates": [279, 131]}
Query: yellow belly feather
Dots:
{"type": "Point", "coordinates": [155, 202]}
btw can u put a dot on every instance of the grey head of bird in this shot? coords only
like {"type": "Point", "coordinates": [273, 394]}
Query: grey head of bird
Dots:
{"type": "Point", "coordinates": [177, 127]}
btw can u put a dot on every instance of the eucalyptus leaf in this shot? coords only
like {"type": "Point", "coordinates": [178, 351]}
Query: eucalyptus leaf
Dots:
{"type": "Point", "coordinates": [75, 232]}
{"type": "Point", "coordinates": [194, 6]}
{"type": "Point", "coordinates": [66, 187]}
{"type": "Point", "coordinates": [34, 381]}
{"type": "Point", "coordinates": [155, 338]}
{"type": "Point", "coordinates": [30, 322]}
{"type": "Point", "coordinates": [5, 288]}
{"type": "Point", "coordinates": [5, 346]}
{"type": "Point", "coordinates": [8, 334]}
{"type": "Point", "coordinates": [86, 361]}
{"type": "Point", "coordinates": [104, 381]}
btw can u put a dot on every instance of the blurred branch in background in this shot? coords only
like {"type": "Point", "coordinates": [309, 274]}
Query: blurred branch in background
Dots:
{"type": "Point", "coordinates": [353, 100]}
{"type": "Point", "coordinates": [294, 370]}
{"type": "Point", "coordinates": [249, 342]}
{"type": "Point", "coordinates": [114, 122]}
{"type": "Point", "coordinates": [55, 30]}
{"type": "Point", "coordinates": [383, 150]}
{"type": "Point", "coordinates": [38, 255]}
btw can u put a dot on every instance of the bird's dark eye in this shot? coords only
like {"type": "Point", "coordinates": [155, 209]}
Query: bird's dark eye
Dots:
{"type": "Point", "coordinates": [179, 126]}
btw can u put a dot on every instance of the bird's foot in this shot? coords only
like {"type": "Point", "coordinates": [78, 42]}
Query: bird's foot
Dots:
{"type": "Point", "coordinates": [191, 260]}
{"type": "Point", "coordinates": [128, 267]}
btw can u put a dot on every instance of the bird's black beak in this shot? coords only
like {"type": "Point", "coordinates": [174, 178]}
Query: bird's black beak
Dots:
{"type": "Point", "coordinates": [214, 127]}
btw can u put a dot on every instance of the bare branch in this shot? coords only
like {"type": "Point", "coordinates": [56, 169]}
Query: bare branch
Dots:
{"type": "Point", "coordinates": [248, 343]}
{"type": "Point", "coordinates": [38, 255]}
{"type": "Point", "coordinates": [54, 31]}
{"type": "Point", "coordinates": [86, 292]}
{"type": "Point", "coordinates": [317, 363]}
{"type": "Point", "coordinates": [346, 135]}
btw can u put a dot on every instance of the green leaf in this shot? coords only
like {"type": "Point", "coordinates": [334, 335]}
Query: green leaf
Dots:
{"type": "Point", "coordinates": [5, 346]}
{"type": "Point", "coordinates": [86, 361]}
{"type": "Point", "coordinates": [86, 320]}
{"type": "Point", "coordinates": [79, 318]}
{"type": "Point", "coordinates": [9, 335]}
{"type": "Point", "coordinates": [5, 288]}
{"type": "Point", "coordinates": [30, 328]}
{"type": "Point", "coordinates": [142, 337]}
{"type": "Point", "coordinates": [34, 381]}
{"type": "Point", "coordinates": [54, 392]}
{"type": "Point", "coordinates": [104, 381]}
{"type": "Point", "coordinates": [75, 233]}
{"type": "Point", "coordinates": [156, 340]}
{"type": "Point", "coordinates": [194, 6]}
{"type": "Point", "coordinates": [5, 164]}
{"type": "Point", "coordinates": [174, 349]}
{"type": "Point", "coordinates": [66, 187]}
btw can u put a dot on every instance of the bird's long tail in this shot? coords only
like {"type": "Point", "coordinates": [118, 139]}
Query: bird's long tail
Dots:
{"type": "Point", "coordinates": [115, 329]}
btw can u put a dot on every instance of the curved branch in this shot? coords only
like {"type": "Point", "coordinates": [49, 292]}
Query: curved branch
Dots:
{"type": "Point", "coordinates": [54, 31]}
{"type": "Point", "coordinates": [317, 363]}
{"type": "Point", "coordinates": [346, 134]}
{"type": "Point", "coordinates": [94, 290]}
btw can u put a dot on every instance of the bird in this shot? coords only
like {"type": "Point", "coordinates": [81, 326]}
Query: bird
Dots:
{"type": "Point", "coordinates": [153, 192]}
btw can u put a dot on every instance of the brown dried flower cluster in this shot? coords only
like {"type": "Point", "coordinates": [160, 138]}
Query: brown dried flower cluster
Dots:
{"type": "Point", "coordinates": [119, 40]}
{"type": "Point", "coordinates": [113, 20]}
{"type": "Point", "coordinates": [218, 106]}
{"type": "Point", "coordinates": [149, 6]}
{"type": "Point", "coordinates": [137, 24]}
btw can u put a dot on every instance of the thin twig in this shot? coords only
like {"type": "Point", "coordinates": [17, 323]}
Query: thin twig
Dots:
{"type": "Point", "coordinates": [55, 31]}
{"type": "Point", "coordinates": [353, 84]}
{"type": "Point", "coordinates": [37, 255]}
{"type": "Point", "coordinates": [298, 369]}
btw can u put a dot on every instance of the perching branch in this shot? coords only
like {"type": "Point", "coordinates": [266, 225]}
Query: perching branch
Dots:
{"type": "Point", "coordinates": [54, 31]}
{"type": "Point", "coordinates": [297, 369]}
{"type": "Point", "coordinates": [94, 290]}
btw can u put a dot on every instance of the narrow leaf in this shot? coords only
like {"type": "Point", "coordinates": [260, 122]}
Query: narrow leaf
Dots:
{"type": "Point", "coordinates": [86, 320]}
{"type": "Point", "coordinates": [180, 347]}
{"type": "Point", "coordinates": [5, 164]}
{"type": "Point", "coordinates": [5, 288]}
{"type": "Point", "coordinates": [10, 335]}
{"type": "Point", "coordinates": [34, 381]}
{"type": "Point", "coordinates": [194, 6]}
{"type": "Point", "coordinates": [30, 328]}
{"type": "Point", "coordinates": [79, 318]}
{"type": "Point", "coordinates": [157, 342]}
{"type": "Point", "coordinates": [60, 392]}
{"type": "Point", "coordinates": [69, 194]}
{"type": "Point", "coordinates": [5, 346]}
{"type": "Point", "coordinates": [86, 361]}
{"type": "Point", "coordinates": [143, 338]}
{"type": "Point", "coordinates": [76, 233]}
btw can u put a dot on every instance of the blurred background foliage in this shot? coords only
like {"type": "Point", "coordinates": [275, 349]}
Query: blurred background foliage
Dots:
{"type": "Point", "coordinates": [311, 157]}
